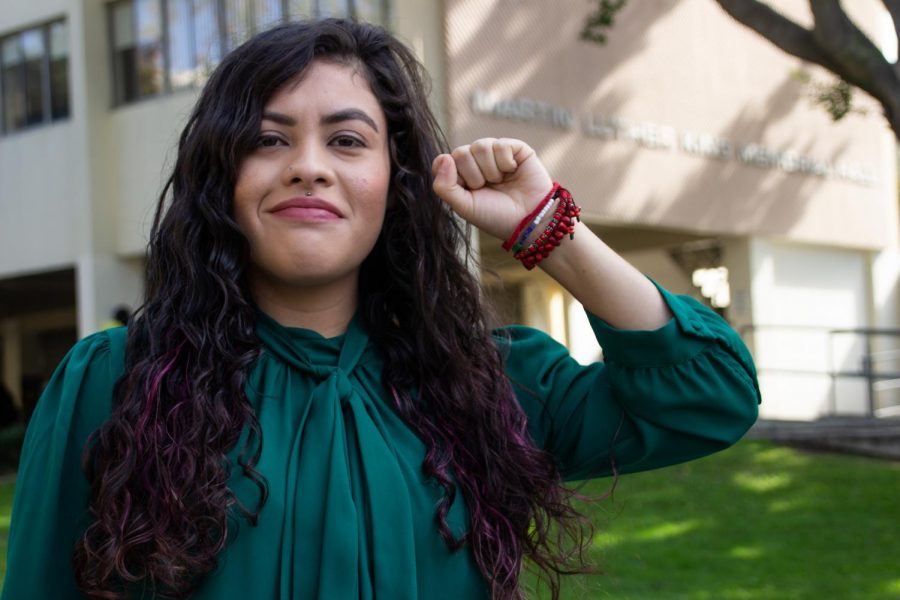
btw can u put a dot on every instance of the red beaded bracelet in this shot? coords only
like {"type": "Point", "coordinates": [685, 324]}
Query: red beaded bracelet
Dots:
{"type": "Point", "coordinates": [537, 209]}
{"type": "Point", "coordinates": [562, 223]}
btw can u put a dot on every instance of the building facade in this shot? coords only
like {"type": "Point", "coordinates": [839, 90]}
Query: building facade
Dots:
{"type": "Point", "coordinates": [689, 141]}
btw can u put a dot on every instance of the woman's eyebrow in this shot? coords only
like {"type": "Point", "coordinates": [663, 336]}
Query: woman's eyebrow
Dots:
{"type": "Point", "coordinates": [349, 114]}
{"type": "Point", "coordinates": [279, 118]}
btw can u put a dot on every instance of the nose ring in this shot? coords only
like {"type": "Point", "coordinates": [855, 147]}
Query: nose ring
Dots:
{"type": "Point", "coordinates": [308, 194]}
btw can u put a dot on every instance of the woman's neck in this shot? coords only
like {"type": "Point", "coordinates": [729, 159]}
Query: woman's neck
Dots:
{"type": "Point", "coordinates": [326, 309]}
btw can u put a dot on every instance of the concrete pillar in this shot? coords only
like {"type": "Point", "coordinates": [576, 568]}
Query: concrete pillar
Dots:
{"type": "Point", "coordinates": [544, 306]}
{"type": "Point", "coordinates": [885, 312]}
{"type": "Point", "coordinates": [736, 258]}
{"type": "Point", "coordinates": [102, 283]}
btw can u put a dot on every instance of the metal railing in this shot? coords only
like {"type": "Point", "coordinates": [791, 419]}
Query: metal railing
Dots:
{"type": "Point", "coordinates": [875, 364]}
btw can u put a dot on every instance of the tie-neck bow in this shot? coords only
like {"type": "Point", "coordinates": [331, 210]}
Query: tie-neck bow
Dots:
{"type": "Point", "coordinates": [343, 477]}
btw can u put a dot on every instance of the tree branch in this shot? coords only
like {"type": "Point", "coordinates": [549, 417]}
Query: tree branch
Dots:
{"type": "Point", "coordinates": [893, 7]}
{"type": "Point", "coordinates": [778, 29]}
{"type": "Point", "coordinates": [858, 61]}
{"type": "Point", "coordinates": [834, 43]}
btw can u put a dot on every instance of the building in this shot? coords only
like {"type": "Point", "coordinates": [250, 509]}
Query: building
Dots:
{"type": "Point", "coordinates": [688, 140]}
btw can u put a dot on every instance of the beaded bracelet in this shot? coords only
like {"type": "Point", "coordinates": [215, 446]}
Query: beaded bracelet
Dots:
{"type": "Point", "coordinates": [537, 220]}
{"type": "Point", "coordinates": [537, 214]}
{"type": "Point", "coordinates": [562, 223]}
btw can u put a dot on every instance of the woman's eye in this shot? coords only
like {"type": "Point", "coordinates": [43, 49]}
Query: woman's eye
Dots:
{"type": "Point", "coordinates": [268, 141]}
{"type": "Point", "coordinates": [347, 141]}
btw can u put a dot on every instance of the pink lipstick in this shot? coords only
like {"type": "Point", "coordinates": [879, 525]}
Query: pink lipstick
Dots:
{"type": "Point", "coordinates": [303, 208]}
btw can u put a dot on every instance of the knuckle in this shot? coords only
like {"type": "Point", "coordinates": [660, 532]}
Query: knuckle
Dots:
{"type": "Point", "coordinates": [483, 146]}
{"type": "Point", "coordinates": [460, 152]}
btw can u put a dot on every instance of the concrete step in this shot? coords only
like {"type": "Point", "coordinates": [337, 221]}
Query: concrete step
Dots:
{"type": "Point", "coordinates": [853, 435]}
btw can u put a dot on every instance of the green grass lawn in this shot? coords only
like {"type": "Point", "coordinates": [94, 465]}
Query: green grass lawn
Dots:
{"type": "Point", "coordinates": [754, 522]}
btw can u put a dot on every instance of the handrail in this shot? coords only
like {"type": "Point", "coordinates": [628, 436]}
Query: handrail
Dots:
{"type": "Point", "coordinates": [875, 380]}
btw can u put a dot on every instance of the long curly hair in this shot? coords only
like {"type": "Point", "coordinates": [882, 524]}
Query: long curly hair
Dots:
{"type": "Point", "coordinates": [158, 468]}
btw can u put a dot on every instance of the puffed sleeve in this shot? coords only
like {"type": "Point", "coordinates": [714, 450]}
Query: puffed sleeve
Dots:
{"type": "Point", "coordinates": [659, 398]}
{"type": "Point", "coordinates": [50, 505]}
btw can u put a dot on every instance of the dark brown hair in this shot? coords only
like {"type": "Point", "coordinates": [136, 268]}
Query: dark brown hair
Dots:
{"type": "Point", "coordinates": [158, 466]}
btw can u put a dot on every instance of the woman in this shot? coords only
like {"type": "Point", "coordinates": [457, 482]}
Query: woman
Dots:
{"type": "Point", "coordinates": [310, 403]}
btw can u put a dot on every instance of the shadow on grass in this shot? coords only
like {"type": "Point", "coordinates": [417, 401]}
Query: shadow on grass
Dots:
{"type": "Point", "coordinates": [754, 522]}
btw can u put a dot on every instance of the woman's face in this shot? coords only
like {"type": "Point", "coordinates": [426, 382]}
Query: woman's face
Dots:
{"type": "Point", "coordinates": [310, 197]}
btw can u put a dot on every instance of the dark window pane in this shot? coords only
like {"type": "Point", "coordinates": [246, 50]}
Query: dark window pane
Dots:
{"type": "Point", "coordinates": [137, 49]}
{"type": "Point", "coordinates": [59, 70]}
{"type": "Point", "coordinates": [33, 49]}
{"type": "Point", "coordinates": [208, 50]}
{"type": "Point", "coordinates": [124, 65]}
{"type": "Point", "coordinates": [13, 84]}
{"type": "Point", "coordinates": [149, 42]}
{"type": "Point", "coordinates": [238, 19]}
{"type": "Point", "coordinates": [181, 53]}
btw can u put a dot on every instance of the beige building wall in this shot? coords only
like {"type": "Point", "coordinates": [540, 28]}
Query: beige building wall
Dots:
{"type": "Point", "coordinates": [669, 122]}
{"type": "Point", "coordinates": [41, 178]}
{"type": "Point", "coordinates": [42, 171]}
{"type": "Point", "coordinates": [686, 122]}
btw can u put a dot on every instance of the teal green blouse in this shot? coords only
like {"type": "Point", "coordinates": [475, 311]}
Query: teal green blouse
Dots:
{"type": "Point", "coordinates": [350, 514]}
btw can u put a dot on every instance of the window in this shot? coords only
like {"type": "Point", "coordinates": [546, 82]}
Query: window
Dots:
{"type": "Point", "coordinates": [267, 13]}
{"type": "Point", "coordinates": [34, 76]}
{"type": "Point", "coordinates": [208, 43]}
{"type": "Point", "coordinates": [164, 45]}
{"type": "Point", "coordinates": [33, 54]}
{"type": "Point", "coordinates": [137, 49]}
{"type": "Point", "coordinates": [182, 72]}
{"type": "Point", "coordinates": [59, 71]}
{"type": "Point", "coordinates": [13, 88]}
{"type": "Point", "coordinates": [239, 21]}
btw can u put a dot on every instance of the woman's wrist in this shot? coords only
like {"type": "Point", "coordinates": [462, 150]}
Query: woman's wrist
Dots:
{"type": "Point", "coordinates": [605, 283]}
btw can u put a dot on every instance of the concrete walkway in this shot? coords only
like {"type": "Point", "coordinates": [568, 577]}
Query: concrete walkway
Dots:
{"type": "Point", "coordinates": [854, 435]}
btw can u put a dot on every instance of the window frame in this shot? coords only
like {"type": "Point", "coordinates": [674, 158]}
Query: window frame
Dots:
{"type": "Point", "coordinates": [43, 28]}
{"type": "Point", "coordinates": [222, 35]}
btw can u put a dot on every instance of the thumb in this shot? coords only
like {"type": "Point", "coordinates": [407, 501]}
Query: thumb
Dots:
{"type": "Point", "coordinates": [446, 184]}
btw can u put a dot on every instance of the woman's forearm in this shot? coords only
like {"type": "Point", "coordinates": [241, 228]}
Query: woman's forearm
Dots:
{"type": "Point", "coordinates": [605, 283]}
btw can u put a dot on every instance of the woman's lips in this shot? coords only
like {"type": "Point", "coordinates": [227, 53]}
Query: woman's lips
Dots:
{"type": "Point", "coordinates": [306, 208]}
{"type": "Point", "coordinates": [301, 213]}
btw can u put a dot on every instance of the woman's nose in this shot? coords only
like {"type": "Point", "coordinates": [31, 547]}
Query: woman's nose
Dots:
{"type": "Point", "coordinates": [308, 165]}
